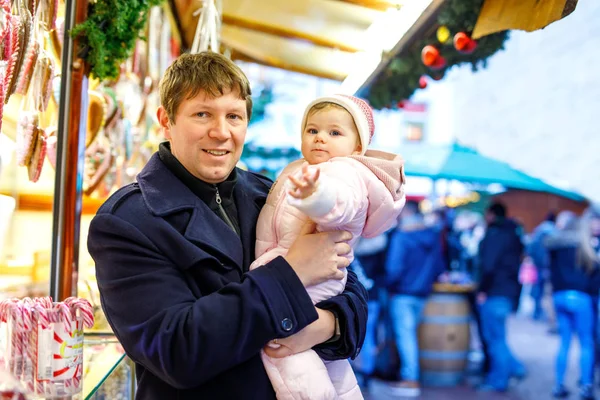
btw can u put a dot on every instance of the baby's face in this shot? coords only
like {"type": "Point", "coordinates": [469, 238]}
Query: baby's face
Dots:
{"type": "Point", "coordinates": [329, 133]}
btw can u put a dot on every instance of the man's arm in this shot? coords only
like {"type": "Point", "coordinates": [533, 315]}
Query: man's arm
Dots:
{"type": "Point", "coordinates": [350, 307]}
{"type": "Point", "coordinates": [180, 338]}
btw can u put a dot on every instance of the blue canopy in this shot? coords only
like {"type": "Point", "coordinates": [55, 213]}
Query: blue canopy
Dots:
{"type": "Point", "coordinates": [465, 164]}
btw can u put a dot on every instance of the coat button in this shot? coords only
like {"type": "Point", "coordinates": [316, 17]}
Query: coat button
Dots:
{"type": "Point", "coordinates": [287, 324]}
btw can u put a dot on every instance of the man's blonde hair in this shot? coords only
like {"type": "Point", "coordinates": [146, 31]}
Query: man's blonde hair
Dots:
{"type": "Point", "coordinates": [210, 72]}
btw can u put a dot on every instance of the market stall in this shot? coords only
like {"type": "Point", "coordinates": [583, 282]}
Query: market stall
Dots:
{"type": "Point", "coordinates": [74, 129]}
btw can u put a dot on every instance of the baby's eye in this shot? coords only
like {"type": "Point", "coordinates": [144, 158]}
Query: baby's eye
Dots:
{"type": "Point", "coordinates": [312, 131]}
{"type": "Point", "coordinates": [335, 133]}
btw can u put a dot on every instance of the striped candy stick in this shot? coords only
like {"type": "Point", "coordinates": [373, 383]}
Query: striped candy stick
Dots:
{"type": "Point", "coordinates": [43, 322]}
{"type": "Point", "coordinates": [5, 317]}
{"type": "Point", "coordinates": [16, 345]}
{"type": "Point", "coordinates": [28, 375]}
{"type": "Point", "coordinates": [66, 317]}
{"type": "Point", "coordinates": [83, 309]}
{"type": "Point", "coordinates": [84, 312]}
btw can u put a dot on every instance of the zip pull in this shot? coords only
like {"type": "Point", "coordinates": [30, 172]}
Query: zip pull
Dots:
{"type": "Point", "coordinates": [218, 196]}
{"type": "Point", "coordinates": [223, 213]}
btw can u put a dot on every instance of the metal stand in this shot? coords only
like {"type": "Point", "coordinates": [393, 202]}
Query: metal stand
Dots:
{"type": "Point", "coordinates": [72, 120]}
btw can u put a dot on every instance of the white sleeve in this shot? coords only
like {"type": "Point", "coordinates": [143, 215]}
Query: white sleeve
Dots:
{"type": "Point", "coordinates": [340, 196]}
{"type": "Point", "coordinates": [317, 204]}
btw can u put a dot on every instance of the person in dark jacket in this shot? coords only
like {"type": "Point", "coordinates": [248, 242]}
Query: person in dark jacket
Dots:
{"type": "Point", "coordinates": [172, 253]}
{"type": "Point", "coordinates": [574, 274]}
{"type": "Point", "coordinates": [541, 259]}
{"type": "Point", "coordinates": [369, 265]}
{"type": "Point", "coordinates": [500, 255]}
{"type": "Point", "coordinates": [413, 263]}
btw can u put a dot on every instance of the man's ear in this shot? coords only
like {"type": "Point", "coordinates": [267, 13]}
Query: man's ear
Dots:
{"type": "Point", "coordinates": [164, 121]}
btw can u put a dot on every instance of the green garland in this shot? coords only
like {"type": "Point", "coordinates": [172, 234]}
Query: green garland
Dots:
{"type": "Point", "coordinates": [109, 34]}
{"type": "Point", "coordinates": [401, 77]}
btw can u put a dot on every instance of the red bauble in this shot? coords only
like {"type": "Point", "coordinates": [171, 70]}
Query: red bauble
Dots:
{"type": "Point", "coordinates": [461, 40]}
{"type": "Point", "coordinates": [438, 64]}
{"type": "Point", "coordinates": [429, 55]}
{"type": "Point", "coordinates": [471, 46]}
{"type": "Point", "coordinates": [463, 43]}
{"type": "Point", "coordinates": [401, 103]}
{"type": "Point", "coordinates": [423, 82]}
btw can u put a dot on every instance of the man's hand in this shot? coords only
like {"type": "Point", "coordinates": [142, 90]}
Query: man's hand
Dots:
{"type": "Point", "coordinates": [306, 185]}
{"type": "Point", "coordinates": [316, 333]}
{"type": "Point", "coordinates": [318, 257]}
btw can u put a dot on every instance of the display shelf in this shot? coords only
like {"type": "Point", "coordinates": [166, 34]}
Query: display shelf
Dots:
{"type": "Point", "coordinates": [103, 358]}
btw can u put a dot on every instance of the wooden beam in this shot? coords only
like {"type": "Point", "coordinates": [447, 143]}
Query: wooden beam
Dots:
{"type": "Point", "coordinates": [379, 5]}
{"type": "Point", "coordinates": [277, 63]}
{"type": "Point", "coordinates": [286, 33]}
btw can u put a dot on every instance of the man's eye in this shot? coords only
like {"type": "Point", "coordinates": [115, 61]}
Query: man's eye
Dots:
{"type": "Point", "coordinates": [201, 114]}
{"type": "Point", "coordinates": [235, 116]}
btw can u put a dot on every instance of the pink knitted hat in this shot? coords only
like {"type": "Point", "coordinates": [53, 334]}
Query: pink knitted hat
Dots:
{"type": "Point", "coordinates": [360, 111]}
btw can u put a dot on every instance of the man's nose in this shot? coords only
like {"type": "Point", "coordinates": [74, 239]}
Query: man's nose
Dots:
{"type": "Point", "coordinates": [219, 129]}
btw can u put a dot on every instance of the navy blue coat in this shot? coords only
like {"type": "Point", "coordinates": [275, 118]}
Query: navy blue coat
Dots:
{"type": "Point", "coordinates": [414, 261]}
{"type": "Point", "coordinates": [500, 254]}
{"type": "Point", "coordinates": [175, 288]}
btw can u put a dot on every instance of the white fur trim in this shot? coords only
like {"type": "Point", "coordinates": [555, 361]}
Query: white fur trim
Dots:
{"type": "Point", "coordinates": [359, 117]}
{"type": "Point", "coordinates": [319, 203]}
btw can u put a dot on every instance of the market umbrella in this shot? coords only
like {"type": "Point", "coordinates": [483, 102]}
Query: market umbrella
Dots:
{"type": "Point", "coordinates": [465, 164]}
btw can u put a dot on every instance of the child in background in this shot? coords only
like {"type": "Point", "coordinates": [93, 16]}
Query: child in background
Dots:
{"type": "Point", "coordinates": [340, 186]}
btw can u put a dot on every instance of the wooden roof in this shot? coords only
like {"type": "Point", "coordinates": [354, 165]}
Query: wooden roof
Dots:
{"type": "Point", "coordinates": [316, 37]}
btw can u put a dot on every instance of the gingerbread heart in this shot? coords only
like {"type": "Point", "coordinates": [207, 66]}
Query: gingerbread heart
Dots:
{"type": "Point", "coordinates": [96, 116]}
{"type": "Point", "coordinates": [98, 160]}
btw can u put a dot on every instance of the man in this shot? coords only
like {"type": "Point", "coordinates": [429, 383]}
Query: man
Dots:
{"type": "Point", "coordinates": [500, 255]}
{"type": "Point", "coordinates": [541, 259]}
{"type": "Point", "coordinates": [415, 259]}
{"type": "Point", "coordinates": [172, 253]}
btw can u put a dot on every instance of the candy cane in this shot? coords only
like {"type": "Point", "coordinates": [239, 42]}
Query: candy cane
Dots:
{"type": "Point", "coordinates": [16, 338]}
{"type": "Point", "coordinates": [83, 308]}
{"type": "Point", "coordinates": [43, 320]}
{"type": "Point", "coordinates": [6, 310]}
{"type": "Point", "coordinates": [29, 353]}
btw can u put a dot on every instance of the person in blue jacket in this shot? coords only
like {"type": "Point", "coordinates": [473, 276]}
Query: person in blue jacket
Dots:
{"type": "Point", "coordinates": [414, 261]}
{"type": "Point", "coordinates": [172, 252]}
{"type": "Point", "coordinates": [500, 256]}
{"type": "Point", "coordinates": [574, 275]}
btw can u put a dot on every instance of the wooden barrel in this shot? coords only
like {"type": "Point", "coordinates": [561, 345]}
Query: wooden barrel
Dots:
{"type": "Point", "coordinates": [444, 339]}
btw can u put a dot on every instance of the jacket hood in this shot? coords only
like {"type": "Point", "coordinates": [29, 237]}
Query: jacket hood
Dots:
{"type": "Point", "coordinates": [388, 168]}
{"type": "Point", "coordinates": [561, 239]}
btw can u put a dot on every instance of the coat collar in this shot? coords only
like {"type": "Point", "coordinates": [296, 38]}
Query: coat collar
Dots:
{"type": "Point", "coordinates": [165, 194]}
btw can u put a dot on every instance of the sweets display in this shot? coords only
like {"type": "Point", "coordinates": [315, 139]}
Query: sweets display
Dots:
{"type": "Point", "coordinates": [41, 343]}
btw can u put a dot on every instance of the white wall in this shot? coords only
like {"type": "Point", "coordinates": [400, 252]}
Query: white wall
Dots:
{"type": "Point", "coordinates": [537, 104]}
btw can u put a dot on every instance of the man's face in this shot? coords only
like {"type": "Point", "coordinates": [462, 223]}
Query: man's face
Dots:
{"type": "Point", "coordinates": [207, 136]}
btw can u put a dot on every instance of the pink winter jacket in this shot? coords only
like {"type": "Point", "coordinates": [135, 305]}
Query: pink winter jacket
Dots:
{"type": "Point", "coordinates": [361, 194]}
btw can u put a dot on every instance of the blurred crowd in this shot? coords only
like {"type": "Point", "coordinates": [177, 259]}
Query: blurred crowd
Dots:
{"type": "Point", "coordinates": [550, 274]}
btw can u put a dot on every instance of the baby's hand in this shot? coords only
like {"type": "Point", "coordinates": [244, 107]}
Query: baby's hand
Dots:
{"type": "Point", "coordinates": [306, 185]}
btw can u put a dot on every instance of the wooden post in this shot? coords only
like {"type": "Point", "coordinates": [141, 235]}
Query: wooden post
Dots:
{"type": "Point", "coordinates": [72, 121]}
